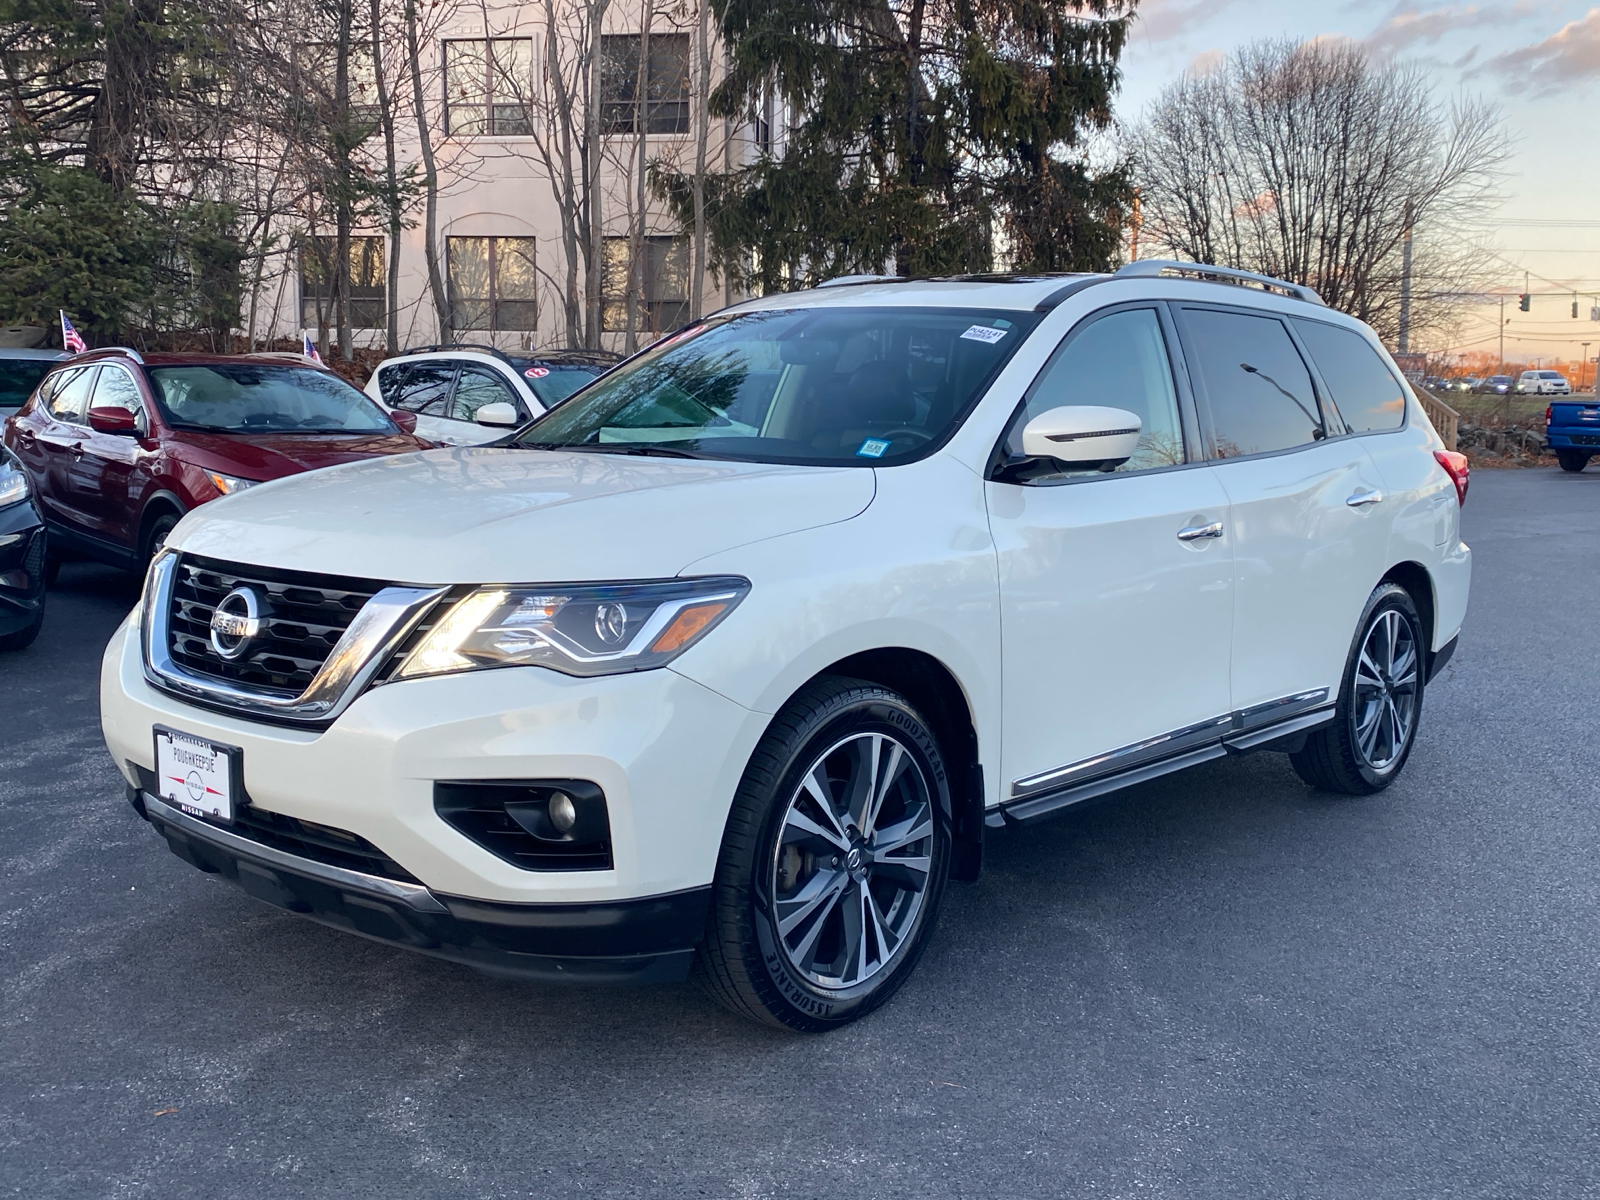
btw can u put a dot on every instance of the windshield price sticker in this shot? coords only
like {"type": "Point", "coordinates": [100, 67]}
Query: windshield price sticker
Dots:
{"type": "Point", "coordinates": [194, 775]}
{"type": "Point", "coordinates": [982, 333]}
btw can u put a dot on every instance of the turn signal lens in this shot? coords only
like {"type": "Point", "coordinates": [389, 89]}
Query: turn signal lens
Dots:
{"type": "Point", "coordinates": [1455, 465]}
{"type": "Point", "coordinates": [229, 484]}
{"type": "Point", "coordinates": [687, 624]}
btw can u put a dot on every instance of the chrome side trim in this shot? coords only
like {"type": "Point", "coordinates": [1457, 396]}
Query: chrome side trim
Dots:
{"type": "Point", "coordinates": [1216, 729]}
{"type": "Point", "coordinates": [1029, 809]}
{"type": "Point", "coordinates": [1271, 733]}
{"type": "Point", "coordinates": [412, 895]}
{"type": "Point", "coordinates": [378, 629]}
{"type": "Point", "coordinates": [1122, 758]}
{"type": "Point", "coordinates": [1278, 710]}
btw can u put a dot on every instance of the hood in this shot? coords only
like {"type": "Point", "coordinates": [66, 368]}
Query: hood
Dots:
{"type": "Point", "coordinates": [485, 514]}
{"type": "Point", "coordinates": [265, 456]}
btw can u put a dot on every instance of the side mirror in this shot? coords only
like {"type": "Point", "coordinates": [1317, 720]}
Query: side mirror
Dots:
{"type": "Point", "coordinates": [501, 412]}
{"type": "Point", "coordinates": [406, 420]}
{"type": "Point", "coordinates": [1083, 435]}
{"type": "Point", "coordinates": [111, 418]}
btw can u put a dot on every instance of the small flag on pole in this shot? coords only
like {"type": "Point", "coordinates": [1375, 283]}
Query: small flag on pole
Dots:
{"type": "Point", "coordinates": [71, 339]}
{"type": "Point", "coordinates": [310, 350]}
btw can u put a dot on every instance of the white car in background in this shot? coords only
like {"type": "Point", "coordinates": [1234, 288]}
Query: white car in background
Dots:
{"type": "Point", "coordinates": [1543, 383]}
{"type": "Point", "coordinates": [464, 395]}
{"type": "Point", "coordinates": [728, 662]}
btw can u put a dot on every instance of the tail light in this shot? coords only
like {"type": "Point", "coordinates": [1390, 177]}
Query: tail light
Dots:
{"type": "Point", "coordinates": [1455, 466]}
{"type": "Point", "coordinates": [1548, 409]}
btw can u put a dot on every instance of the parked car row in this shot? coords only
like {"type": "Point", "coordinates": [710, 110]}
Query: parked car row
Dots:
{"type": "Point", "coordinates": [105, 451]}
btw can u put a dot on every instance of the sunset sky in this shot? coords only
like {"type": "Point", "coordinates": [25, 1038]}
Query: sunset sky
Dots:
{"type": "Point", "coordinates": [1538, 59]}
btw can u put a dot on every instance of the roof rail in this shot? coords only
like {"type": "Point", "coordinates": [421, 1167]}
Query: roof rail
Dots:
{"type": "Point", "coordinates": [128, 350]}
{"type": "Point", "coordinates": [287, 356]}
{"type": "Point", "coordinates": [487, 349]}
{"type": "Point", "coordinates": [1205, 272]}
{"type": "Point", "coordinates": [847, 280]}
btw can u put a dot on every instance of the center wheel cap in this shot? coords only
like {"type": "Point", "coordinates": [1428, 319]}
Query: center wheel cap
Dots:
{"type": "Point", "coordinates": [857, 862]}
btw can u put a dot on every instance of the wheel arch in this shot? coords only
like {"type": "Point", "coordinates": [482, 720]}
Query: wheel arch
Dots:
{"type": "Point", "coordinates": [933, 689]}
{"type": "Point", "coordinates": [159, 503]}
{"type": "Point", "coordinates": [1418, 583]}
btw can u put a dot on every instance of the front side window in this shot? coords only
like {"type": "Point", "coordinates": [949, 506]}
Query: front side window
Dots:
{"type": "Point", "coordinates": [117, 389]}
{"type": "Point", "coordinates": [838, 386]}
{"type": "Point", "coordinates": [488, 87]}
{"type": "Point", "coordinates": [662, 270]}
{"type": "Point", "coordinates": [69, 395]}
{"type": "Point", "coordinates": [492, 283]}
{"type": "Point", "coordinates": [422, 388]}
{"type": "Point", "coordinates": [665, 106]}
{"type": "Point", "coordinates": [1118, 361]}
{"type": "Point", "coordinates": [1364, 391]}
{"type": "Point", "coordinates": [367, 303]}
{"type": "Point", "coordinates": [476, 387]}
{"type": "Point", "coordinates": [253, 398]}
{"type": "Point", "coordinates": [1257, 387]}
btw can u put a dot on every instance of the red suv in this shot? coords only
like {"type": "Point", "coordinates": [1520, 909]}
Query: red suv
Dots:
{"type": "Point", "coordinates": [118, 446]}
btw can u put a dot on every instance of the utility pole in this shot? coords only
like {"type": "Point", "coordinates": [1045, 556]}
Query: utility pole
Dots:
{"type": "Point", "coordinates": [1405, 286]}
{"type": "Point", "coordinates": [1501, 368]}
{"type": "Point", "coordinates": [1583, 365]}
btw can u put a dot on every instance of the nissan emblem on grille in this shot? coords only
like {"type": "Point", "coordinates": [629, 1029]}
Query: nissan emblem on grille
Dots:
{"type": "Point", "coordinates": [235, 622]}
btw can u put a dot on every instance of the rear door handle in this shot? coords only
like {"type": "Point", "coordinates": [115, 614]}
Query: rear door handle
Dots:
{"type": "Point", "coordinates": [1193, 533]}
{"type": "Point", "coordinates": [1365, 497]}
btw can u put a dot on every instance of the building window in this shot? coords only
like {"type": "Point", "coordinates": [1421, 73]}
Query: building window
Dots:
{"type": "Point", "coordinates": [492, 283]}
{"type": "Point", "coordinates": [368, 301]}
{"type": "Point", "coordinates": [487, 84]}
{"type": "Point", "coordinates": [665, 303]}
{"type": "Point", "coordinates": [666, 104]}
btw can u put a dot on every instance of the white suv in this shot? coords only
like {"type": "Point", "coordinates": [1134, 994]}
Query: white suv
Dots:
{"type": "Point", "coordinates": [465, 395]}
{"type": "Point", "coordinates": [1543, 383]}
{"type": "Point", "coordinates": [728, 662]}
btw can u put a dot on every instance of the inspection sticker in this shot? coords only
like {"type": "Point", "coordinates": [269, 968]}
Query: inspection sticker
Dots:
{"type": "Point", "coordinates": [982, 333]}
{"type": "Point", "coordinates": [872, 448]}
{"type": "Point", "coordinates": [537, 372]}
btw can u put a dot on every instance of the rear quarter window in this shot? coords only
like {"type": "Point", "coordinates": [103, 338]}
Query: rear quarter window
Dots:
{"type": "Point", "coordinates": [1366, 393]}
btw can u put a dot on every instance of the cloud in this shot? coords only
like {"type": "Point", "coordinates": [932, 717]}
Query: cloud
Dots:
{"type": "Point", "coordinates": [1569, 55]}
{"type": "Point", "coordinates": [1162, 20]}
{"type": "Point", "coordinates": [1205, 62]}
{"type": "Point", "coordinates": [1407, 28]}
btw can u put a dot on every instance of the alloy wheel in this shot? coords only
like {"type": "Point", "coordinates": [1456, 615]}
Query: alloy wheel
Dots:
{"type": "Point", "coordinates": [1386, 679]}
{"type": "Point", "coordinates": [851, 866]}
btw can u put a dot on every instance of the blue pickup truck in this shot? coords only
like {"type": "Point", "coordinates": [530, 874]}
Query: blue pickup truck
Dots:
{"type": "Point", "coordinates": [1572, 432]}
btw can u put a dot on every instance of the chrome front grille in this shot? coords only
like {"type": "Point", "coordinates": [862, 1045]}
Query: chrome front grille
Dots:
{"type": "Point", "coordinates": [302, 621]}
{"type": "Point", "coordinates": [301, 651]}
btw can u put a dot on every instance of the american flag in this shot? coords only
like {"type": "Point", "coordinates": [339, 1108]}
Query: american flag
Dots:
{"type": "Point", "coordinates": [310, 350]}
{"type": "Point", "coordinates": [71, 339]}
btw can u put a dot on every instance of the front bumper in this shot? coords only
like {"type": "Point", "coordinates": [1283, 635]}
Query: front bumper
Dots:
{"type": "Point", "coordinates": [632, 941]}
{"type": "Point", "coordinates": [667, 753]}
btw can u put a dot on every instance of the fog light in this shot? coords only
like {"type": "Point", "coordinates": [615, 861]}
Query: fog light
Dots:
{"type": "Point", "coordinates": [563, 815]}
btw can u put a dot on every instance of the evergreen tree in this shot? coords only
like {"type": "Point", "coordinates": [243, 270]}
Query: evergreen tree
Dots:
{"type": "Point", "coordinates": [927, 137]}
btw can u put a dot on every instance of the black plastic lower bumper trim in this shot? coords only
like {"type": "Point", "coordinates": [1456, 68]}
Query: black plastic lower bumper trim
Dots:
{"type": "Point", "coordinates": [1442, 656]}
{"type": "Point", "coordinates": [648, 940]}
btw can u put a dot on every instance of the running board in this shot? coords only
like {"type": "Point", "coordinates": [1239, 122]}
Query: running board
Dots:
{"type": "Point", "coordinates": [1034, 807]}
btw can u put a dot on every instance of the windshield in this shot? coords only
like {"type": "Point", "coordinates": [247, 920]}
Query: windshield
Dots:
{"type": "Point", "coordinates": [552, 383]}
{"type": "Point", "coordinates": [18, 378]}
{"type": "Point", "coordinates": [845, 386]}
{"type": "Point", "coordinates": [259, 398]}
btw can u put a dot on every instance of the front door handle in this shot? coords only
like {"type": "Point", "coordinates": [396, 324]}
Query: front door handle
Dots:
{"type": "Point", "coordinates": [1193, 533]}
{"type": "Point", "coordinates": [1365, 496]}
{"type": "Point", "coordinates": [77, 451]}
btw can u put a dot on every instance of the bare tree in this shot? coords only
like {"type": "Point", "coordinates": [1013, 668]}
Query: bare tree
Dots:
{"type": "Point", "coordinates": [1312, 163]}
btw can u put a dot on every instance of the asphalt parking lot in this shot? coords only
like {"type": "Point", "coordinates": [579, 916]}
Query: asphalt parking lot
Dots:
{"type": "Point", "coordinates": [1218, 985]}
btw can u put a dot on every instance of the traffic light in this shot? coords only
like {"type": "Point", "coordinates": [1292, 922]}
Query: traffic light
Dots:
{"type": "Point", "coordinates": [1525, 302]}
{"type": "Point", "coordinates": [1574, 310]}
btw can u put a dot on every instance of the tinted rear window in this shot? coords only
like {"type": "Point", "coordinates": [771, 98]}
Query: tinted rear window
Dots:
{"type": "Point", "coordinates": [18, 378]}
{"type": "Point", "coordinates": [1367, 396]}
{"type": "Point", "coordinates": [1257, 387]}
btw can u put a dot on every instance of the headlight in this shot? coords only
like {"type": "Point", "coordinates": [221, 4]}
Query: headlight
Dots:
{"type": "Point", "coordinates": [227, 484]}
{"type": "Point", "coordinates": [591, 629]}
{"type": "Point", "coordinates": [13, 482]}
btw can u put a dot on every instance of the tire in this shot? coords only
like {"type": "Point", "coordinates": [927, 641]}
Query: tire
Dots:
{"type": "Point", "coordinates": [1358, 754]}
{"type": "Point", "coordinates": [23, 638]}
{"type": "Point", "coordinates": [814, 923]}
{"type": "Point", "coordinates": [1571, 460]}
{"type": "Point", "coordinates": [155, 536]}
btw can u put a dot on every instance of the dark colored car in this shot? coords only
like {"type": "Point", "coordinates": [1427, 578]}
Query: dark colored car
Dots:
{"type": "Point", "coordinates": [22, 558]}
{"type": "Point", "coordinates": [1495, 385]}
{"type": "Point", "coordinates": [117, 447]}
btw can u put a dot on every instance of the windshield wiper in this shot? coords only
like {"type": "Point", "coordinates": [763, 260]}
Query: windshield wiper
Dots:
{"type": "Point", "coordinates": [614, 448]}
